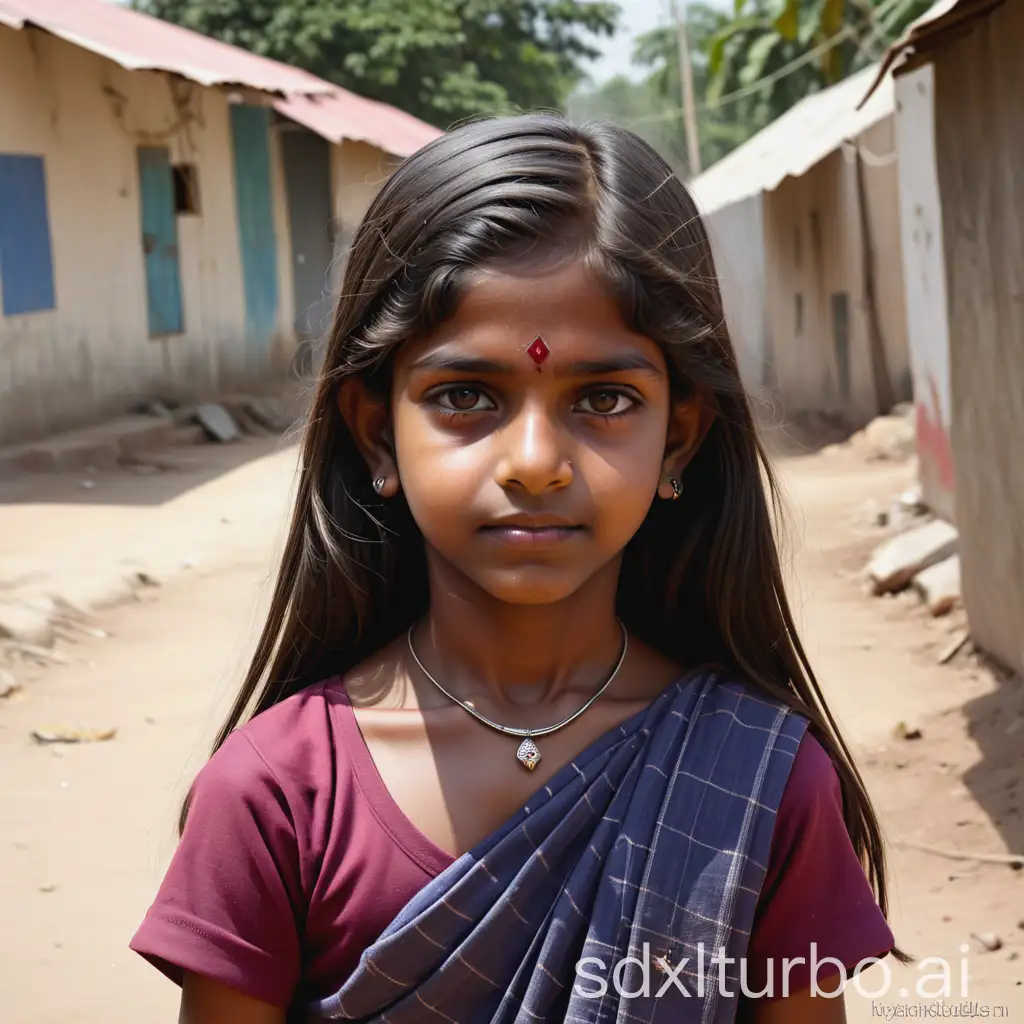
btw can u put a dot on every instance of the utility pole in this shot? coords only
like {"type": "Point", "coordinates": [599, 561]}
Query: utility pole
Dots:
{"type": "Point", "coordinates": [686, 79]}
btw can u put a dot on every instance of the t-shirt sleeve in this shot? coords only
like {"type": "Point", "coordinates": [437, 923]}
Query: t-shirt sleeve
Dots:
{"type": "Point", "coordinates": [227, 906]}
{"type": "Point", "coordinates": [816, 898]}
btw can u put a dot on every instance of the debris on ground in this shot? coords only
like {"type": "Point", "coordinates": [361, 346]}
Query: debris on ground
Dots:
{"type": "Point", "coordinates": [954, 647]}
{"type": "Point", "coordinates": [889, 437]}
{"type": "Point", "coordinates": [939, 585]}
{"type": "Point", "coordinates": [218, 423]}
{"type": "Point", "coordinates": [988, 941]}
{"type": "Point", "coordinates": [163, 410]}
{"type": "Point", "coordinates": [912, 500]}
{"type": "Point", "coordinates": [77, 625]}
{"type": "Point", "coordinates": [40, 655]}
{"type": "Point", "coordinates": [896, 562]}
{"type": "Point", "coordinates": [1012, 860]}
{"type": "Point", "coordinates": [62, 734]}
{"type": "Point", "coordinates": [27, 621]}
{"type": "Point", "coordinates": [8, 685]}
{"type": "Point", "coordinates": [907, 732]}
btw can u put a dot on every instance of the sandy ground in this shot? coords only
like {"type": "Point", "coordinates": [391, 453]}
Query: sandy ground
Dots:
{"type": "Point", "coordinates": [86, 830]}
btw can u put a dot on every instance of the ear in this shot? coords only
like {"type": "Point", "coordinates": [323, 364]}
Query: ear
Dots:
{"type": "Point", "coordinates": [688, 425]}
{"type": "Point", "coordinates": [369, 422]}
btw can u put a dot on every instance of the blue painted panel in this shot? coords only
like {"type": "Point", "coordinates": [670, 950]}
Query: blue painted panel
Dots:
{"type": "Point", "coordinates": [26, 256]}
{"type": "Point", "coordinates": [250, 129]}
{"type": "Point", "coordinates": [160, 241]}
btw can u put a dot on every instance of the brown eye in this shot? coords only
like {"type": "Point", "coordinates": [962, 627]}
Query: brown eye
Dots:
{"type": "Point", "coordinates": [464, 400]}
{"type": "Point", "coordinates": [606, 403]}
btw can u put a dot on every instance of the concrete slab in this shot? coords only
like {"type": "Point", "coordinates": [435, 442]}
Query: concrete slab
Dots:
{"type": "Point", "coordinates": [939, 585]}
{"type": "Point", "coordinates": [218, 423]}
{"type": "Point", "coordinates": [899, 560]}
{"type": "Point", "coordinates": [29, 622]}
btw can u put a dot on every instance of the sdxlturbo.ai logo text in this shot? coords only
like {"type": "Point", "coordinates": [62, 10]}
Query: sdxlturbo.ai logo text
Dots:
{"type": "Point", "coordinates": [645, 975]}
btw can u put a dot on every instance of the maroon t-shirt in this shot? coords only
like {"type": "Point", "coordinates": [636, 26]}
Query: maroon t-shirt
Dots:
{"type": "Point", "coordinates": [295, 858]}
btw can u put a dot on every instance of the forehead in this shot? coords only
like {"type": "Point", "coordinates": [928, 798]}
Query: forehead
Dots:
{"type": "Point", "coordinates": [500, 314]}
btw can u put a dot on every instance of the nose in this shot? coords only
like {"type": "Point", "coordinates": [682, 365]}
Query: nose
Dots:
{"type": "Point", "coordinates": [534, 458]}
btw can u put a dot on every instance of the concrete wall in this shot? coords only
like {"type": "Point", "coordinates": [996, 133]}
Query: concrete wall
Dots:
{"type": "Point", "coordinates": [814, 257]}
{"type": "Point", "coordinates": [979, 94]}
{"type": "Point", "coordinates": [92, 354]}
{"type": "Point", "coordinates": [924, 272]}
{"type": "Point", "coordinates": [357, 174]}
{"type": "Point", "coordinates": [737, 240]}
{"type": "Point", "coordinates": [358, 170]}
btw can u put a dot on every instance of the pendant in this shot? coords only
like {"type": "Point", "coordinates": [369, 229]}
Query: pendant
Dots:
{"type": "Point", "coordinates": [528, 754]}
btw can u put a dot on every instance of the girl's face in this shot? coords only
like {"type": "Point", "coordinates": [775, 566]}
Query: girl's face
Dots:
{"type": "Point", "coordinates": [529, 478]}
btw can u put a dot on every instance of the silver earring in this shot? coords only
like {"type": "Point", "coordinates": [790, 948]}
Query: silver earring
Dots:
{"type": "Point", "coordinates": [677, 487]}
{"type": "Point", "coordinates": [378, 484]}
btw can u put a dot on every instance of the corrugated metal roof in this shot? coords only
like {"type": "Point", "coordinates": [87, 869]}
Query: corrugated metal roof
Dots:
{"type": "Point", "coordinates": [920, 35]}
{"type": "Point", "coordinates": [138, 42]}
{"type": "Point", "coordinates": [344, 115]}
{"type": "Point", "coordinates": [794, 143]}
{"type": "Point", "coordinates": [141, 43]}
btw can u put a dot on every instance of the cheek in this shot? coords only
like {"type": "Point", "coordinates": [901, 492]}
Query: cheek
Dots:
{"type": "Point", "coordinates": [437, 472]}
{"type": "Point", "coordinates": [622, 480]}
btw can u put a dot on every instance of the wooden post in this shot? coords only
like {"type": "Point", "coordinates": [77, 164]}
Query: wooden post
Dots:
{"type": "Point", "coordinates": [686, 81]}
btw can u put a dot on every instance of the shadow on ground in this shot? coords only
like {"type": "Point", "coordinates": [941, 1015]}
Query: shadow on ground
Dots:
{"type": "Point", "coordinates": [995, 722]}
{"type": "Point", "coordinates": [152, 480]}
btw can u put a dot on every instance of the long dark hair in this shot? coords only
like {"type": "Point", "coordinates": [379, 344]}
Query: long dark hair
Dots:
{"type": "Point", "coordinates": [701, 581]}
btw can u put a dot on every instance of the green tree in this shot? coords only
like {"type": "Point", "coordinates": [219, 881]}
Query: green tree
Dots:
{"type": "Point", "coordinates": [650, 107]}
{"type": "Point", "coordinates": [719, 130]}
{"type": "Point", "coordinates": [441, 60]}
{"type": "Point", "coordinates": [773, 53]}
{"type": "Point", "coordinates": [751, 64]}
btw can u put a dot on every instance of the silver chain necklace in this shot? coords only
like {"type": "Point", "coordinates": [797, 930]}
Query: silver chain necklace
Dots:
{"type": "Point", "coordinates": [528, 754]}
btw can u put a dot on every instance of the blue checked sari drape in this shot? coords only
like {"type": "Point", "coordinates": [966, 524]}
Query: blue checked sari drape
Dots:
{"type": "Point", "coordinates": [652, 844]}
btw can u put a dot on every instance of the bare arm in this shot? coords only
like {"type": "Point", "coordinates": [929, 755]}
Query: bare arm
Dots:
{"type": "Point", "coordinates": [204, 1001]}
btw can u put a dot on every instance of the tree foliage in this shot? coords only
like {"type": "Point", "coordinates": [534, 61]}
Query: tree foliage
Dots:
{"type": "Point", "coordinates": [442, 60]}
{"type": "Point", "coordinates": [751, 63]}
{"type": "Point", "coordinates": [774, 53]}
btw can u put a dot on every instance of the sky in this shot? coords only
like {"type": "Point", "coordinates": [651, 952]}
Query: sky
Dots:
{"type": "Point", "coordinates": [638, 17]}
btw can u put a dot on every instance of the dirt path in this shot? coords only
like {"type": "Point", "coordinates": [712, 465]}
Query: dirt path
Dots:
{"type": "Point", "coordinates": [87, 829]}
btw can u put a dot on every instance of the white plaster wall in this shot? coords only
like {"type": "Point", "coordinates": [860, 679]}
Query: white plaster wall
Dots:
{"type": "Point", "coordinates": [93, 354]}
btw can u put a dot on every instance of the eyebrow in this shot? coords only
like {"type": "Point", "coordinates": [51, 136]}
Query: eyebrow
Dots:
{"type": "Point", "coordinates": [585, 368]}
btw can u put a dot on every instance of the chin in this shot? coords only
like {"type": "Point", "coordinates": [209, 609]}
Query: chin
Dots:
{"type": "Point", "coordinates": [530, 586]}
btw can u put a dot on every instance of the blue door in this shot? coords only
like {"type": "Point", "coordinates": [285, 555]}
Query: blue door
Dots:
{"type": "Point", "coordinates": [160, 241]}
{"type": "Point", "coordinates": [26, 258]}
{"type": "Point", "coordinates": [250, 130]}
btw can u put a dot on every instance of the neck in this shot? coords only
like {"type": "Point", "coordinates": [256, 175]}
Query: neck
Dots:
{"type": "Point", "coordinates": [519, 655]}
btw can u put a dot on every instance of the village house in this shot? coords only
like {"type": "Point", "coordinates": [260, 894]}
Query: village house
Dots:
{"type": "Point", "coordinates": [170, 210]}
{"type": "Point", "coordinates": [959, 88]}
{"type": "Point", "coordinates": [804, 224]}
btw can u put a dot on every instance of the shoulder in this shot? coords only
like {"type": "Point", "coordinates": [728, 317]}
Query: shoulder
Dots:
{"type": "Point", "coordinates": [810, 814]}
{"type": "Point", "coordinates": [813, 785]}
{"type": "Point", "coordinates": [281, 761]}
{"type": "Point", "coordinates": [297, 735]}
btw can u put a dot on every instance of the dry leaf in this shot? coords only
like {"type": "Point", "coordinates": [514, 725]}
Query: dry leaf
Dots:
{"type": "Point", "coordinates": [65, 735]}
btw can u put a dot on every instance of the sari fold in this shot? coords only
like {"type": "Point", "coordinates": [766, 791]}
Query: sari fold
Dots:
{"type": "Point", "coordinates": [610, 894]}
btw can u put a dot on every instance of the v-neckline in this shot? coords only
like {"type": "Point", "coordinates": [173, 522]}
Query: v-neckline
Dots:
{"type": "Point", "coordinates": [397, 823]}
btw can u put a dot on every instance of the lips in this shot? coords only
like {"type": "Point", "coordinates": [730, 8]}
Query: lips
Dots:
{"type": "Point", "coordinates": [532, 531]}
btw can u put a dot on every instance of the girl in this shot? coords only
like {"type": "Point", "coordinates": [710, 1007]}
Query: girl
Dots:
{"type": "Point", "coordinates": [526, 734]}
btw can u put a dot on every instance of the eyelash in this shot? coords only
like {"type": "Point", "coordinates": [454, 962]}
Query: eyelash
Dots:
{"type": "Point", "coordinates": [452, 414]}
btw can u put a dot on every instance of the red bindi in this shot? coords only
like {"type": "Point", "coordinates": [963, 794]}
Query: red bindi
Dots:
{"type": "Point", "coordinates": [538, 350]}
